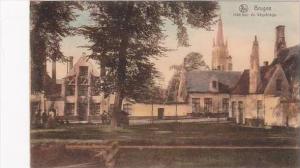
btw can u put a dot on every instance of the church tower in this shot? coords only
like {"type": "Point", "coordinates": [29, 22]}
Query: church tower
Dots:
{"type": "Point", "coordinates": [254, 76]}
{"type": "Point", "coordinates": [221, 60]}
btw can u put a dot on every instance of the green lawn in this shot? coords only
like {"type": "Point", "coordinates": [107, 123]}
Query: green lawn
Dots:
{"type": "Point", "coordinates": [176, 134]}
{"type": "Point", "coordinates": [196, 158]}
{"type": "Point", "coordinates": [193, 134]}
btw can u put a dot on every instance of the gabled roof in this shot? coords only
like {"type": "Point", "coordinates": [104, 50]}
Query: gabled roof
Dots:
{"type": "Point", "coordinates": [199, 81]}
{"type": "Point", "coordinates": [289, 59]}
{"type": "Point", "coordinates": [287, 54]}
{"type": "Point", "coordinates": [83, 61]}
{"type": "Point", "coordinates": [242, 86]}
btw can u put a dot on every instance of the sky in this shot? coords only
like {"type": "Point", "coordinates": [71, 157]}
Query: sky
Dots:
{"type": "Point", "coordinates": [238, 30]}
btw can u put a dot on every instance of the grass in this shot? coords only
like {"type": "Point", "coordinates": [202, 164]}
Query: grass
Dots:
{"type": "Point", "coordinates": [213, 134]}
{"type": "Point", "coordinates": [222, 134]}
{"type": "Point", "coordinates": [190, 158]}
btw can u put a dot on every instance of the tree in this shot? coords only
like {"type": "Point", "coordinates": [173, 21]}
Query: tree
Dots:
{"type": "Point", "coordinates": [50, 22]}
{"type": "Point", "coordinates": [127, 34]}
{"type": "Point", "coordinates": [192, 61]}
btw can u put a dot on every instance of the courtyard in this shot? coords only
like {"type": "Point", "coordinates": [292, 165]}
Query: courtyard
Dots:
{"type": "Point", "coordinates": [175, 145]}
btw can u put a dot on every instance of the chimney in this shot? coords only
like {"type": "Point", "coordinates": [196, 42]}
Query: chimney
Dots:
{"type": "Point", "coordinates": [70, 63]}
{"type": "Point", "coordinates": [266, 63]}
{"type": "Point", "coordinates": [54, 70]}
{"type": "Point", "coordinates": [280, 40]}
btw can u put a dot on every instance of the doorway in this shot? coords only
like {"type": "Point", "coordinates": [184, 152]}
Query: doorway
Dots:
{"type": "Point", "coordinates": [82, 112]}
{"type": "Point", "coordinates": [241, 111]}
{"type": "Point", "coordinates": [161, 113]}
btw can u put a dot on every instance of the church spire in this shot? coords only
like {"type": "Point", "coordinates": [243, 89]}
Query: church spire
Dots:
{"type": "Point", "coordinates": [220, 38]}
{"type": "Point", "coordinates": [254, 67]}
{"type": "Point", "coordinates": [221, 59]}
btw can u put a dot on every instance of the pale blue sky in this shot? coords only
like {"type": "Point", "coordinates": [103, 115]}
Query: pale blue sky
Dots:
{"type": "Point", "coordinates": [239, 31]}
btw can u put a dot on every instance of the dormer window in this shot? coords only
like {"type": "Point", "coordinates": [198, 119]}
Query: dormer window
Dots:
{"type": "Point", "coordinates": [278, 84]}
{"type": "Point", "coordinates": [214, 84]}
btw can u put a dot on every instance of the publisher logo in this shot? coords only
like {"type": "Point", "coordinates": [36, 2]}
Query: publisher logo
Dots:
{"type": "Point", "coordinates": [255, 10]}
{"type": "Point", "coordinates": [243, 8]}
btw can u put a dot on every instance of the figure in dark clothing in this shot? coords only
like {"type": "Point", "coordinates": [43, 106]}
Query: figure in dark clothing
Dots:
{"type": "Point", "coordinates": [44, 119]}
{"type": "Point", "coordinates": [38, 118]}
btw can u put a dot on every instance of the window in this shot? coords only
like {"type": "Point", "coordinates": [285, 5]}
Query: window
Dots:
{"type": "Point", "coordinates": [83, 90]}
{"type": "Point", "coordinates": [278, 84]}
{"type": "Point", "coordinates": [233, 109]}
{"type": "Point", "coordinates": [230, 66]}
{"type": "Point", "coordinates": [214, 84]}
{"type": "Point", "coordinates": [225, 105]}
{"type": "Point", "coordinates": [70, 90]}
{"type": "Point", "coordinates": [83, 70]}
{"type": "Point", "coordinates": [127, 108]}
{"type": "Point", "coordinates": [207, 105]}
{"type": "Point", "coordinates": [95, 109]}
{"type": "Point", "coordinates": [34, 106]}
{"type": "Point", "coordinates": [195, 105]}
{"type": "Point", "coordinates": [70, 109]}
{"type": "Point", "coordinates": [260, 109]}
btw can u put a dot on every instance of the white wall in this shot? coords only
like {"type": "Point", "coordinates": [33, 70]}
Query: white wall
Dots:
{"type": "Point", "coordinates": [275, 112]}
{"type": "Point", "coordinates": [145, 110]}
{"type": "Point", "coordinates": [217, 100]}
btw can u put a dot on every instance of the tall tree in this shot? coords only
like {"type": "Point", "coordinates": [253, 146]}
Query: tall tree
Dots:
{"type": "Point", "coordinates": [50, 22]}
{"type": "Point", "coordinates": [192, 61]}
{"type": "Point", "coordinates": [127, 34]}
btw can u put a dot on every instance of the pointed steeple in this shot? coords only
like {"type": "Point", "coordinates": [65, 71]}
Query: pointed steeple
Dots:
{"type": "Point", "coordinates": [220, 54]}
{"type": "Point", "coordinates": [254, 67]}
{"type": "Point", "coordinates": [220, 38]}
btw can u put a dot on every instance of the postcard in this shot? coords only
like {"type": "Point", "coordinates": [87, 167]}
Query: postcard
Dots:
{"type": "Point", "coordinates": [164, 84]}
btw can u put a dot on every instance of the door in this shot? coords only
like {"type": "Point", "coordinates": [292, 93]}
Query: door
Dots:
{"type": "Point", "coordinates": [241, 111]}
{"type": "Point", "coordinates": [82, 111]}
{"type": "Point", "coordinates": [160, 113]}
{"type": "Point", "coordinates": [233, 109]}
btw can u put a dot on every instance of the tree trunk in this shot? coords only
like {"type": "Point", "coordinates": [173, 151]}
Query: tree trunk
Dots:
{"type": "Point", "coordinates": [115, 121]}
{"type": "Point", "coordinates": [121, 70]}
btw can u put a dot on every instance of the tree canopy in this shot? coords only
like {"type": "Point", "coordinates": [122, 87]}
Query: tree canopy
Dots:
{"type": "Point", "coordinates": [50, 22]}
{"type": "Point", "coordinates": [128, 34]}
{"type": "Point", "coordinates": [192, 61]}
